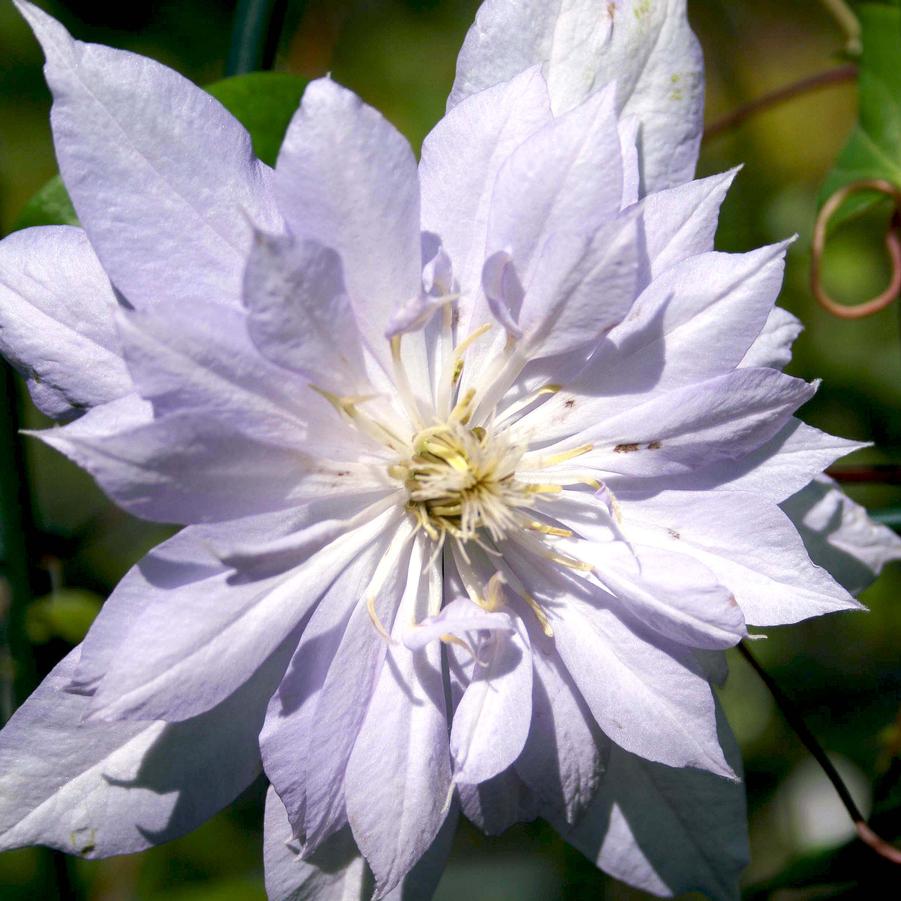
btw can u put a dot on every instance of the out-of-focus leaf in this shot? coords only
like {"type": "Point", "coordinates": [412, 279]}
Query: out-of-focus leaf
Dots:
{"type": "Point", "coordinates": [262, 101]}
{"type": "Point", "coordinates": [874, 148]}
{"type": "Point", "coordinates": [66, 614]}
{"type": "Point", "coordinates": [50, 206]}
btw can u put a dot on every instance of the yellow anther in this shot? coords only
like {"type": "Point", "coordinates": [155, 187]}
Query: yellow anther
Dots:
{"type": "Point", "coordinates": [563, 456]}
{"type": "Point", "coordinates": [462, 410]}
{"type": "Point", "coordinates": [373, 615]}
{"type": "Point", "coordinates": [540, 615]}
{"type": "Point", "coordinates": [544, 488]}
{"type": "Point", "coordinates": [536, 526]}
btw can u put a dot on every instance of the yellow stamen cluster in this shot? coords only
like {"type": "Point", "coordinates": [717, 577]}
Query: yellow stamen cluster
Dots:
{"type": "Point", "coordinates": [461, 480]}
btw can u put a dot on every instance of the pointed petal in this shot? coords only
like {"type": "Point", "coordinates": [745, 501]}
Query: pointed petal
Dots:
{"type": "Point", "coordinates": [57, 324]}
{"type": "Point", "coordinates": [564, 757]}
{"type": "Point", "coordinates": [690, 428]}
{"type": "Point", "coordinates": [648, 48]}
{"type": "Point", "coordinates": [667, 830]}
{"type": "Point", "coordinates": [840, 536]}
{"type": "Point", "coordinates": [162, 177]}
{"type": "Point", "coordinates": [347, 178]}
{"type": "Point", "coordinates": [460, 160]}
{"type": "Point", "coordinates": [337, 872]}
{"type": "Point", "coordinates": [499, 803]}
{"type": "Point", "coordinates": [200, 358]}
{"type": "Point", "coordinates": [570, 171]}
{"type": "Point", "coordinates": [97, 789]}
{"type": "Point", "coordinates": [773, 346]}
{"type": "Point", "coordinates": [300, 316]}
{"type": "Point", "coordinates": [749, 544]}
{"type": "Point", "coordinates": [399, 778]}
{"type": "Point", "coordinates": [674, 594]}
{"type": "Point", "coordinates": [183, 469]}
{"type": "Point", "coordinates": [192, 648]}
{"type": "Point", "coordinates": [778, 468]}
{"type": "Point", "coordinates": [491, 722]}
{"type": "Point", "coordinates": [695, 321]}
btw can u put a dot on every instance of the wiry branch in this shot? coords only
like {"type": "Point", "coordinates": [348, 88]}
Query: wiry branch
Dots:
{"type": "Point", "coordinates": [791, 714]}
{"type": "Point", "coordinates": [808, 85]}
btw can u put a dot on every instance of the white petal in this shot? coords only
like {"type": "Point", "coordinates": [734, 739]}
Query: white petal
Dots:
{"type": "Point", "coordinates": [57, 324]}
{"type": "Point", "coordinates": [460, 160]}
{"type": "Point", "coordinates": [667, 830]}
{"type": "Point", "coordinates": [347, 178]}
{"type": "Point", "coordinates": [690, 428]}
{"type": "Point", "coordinates": [567, 175]}
{"type": "Point", "coordinates": [399, 778]}
{"type": "Point", "coordinates": [188, 651]}
{"type": "Point", "coordinates": [96, 789]}
{"type": "Point", "coordinates": [840, 536]}
{"type": "Point", "coordinates": [748, 543]}
{"type": "Point", "coordinates": [162, 177]}
{"type": "Point", "coordinates": [491, 722]}
{"type": "Point", "coordinates": [647, 48]}
{"type": "Point", "coordinates": [773, 346]}
{"type": "Point", "coordinates": [299, 314]}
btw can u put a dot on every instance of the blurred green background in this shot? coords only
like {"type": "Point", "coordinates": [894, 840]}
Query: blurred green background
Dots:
{"type": "Point", "coordinates": [843, 671]}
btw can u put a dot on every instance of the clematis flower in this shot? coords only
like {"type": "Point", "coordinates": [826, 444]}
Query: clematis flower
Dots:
{"type": "Point", "coordinates": [479, 462]}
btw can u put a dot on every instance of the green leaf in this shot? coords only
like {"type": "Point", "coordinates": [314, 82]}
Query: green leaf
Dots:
{"type": "Point", "coordinates": [874, 148]}
{"type": "Point", "coordinates": [263, 102]}
{"type": "Point", "coordinates": [67, 614]}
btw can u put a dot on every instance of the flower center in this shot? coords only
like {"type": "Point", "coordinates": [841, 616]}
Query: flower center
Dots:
{"type": "Point", "coordinates": [461, 480]}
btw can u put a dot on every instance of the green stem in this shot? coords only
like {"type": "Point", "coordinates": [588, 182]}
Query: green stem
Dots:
{"type": "Point", "coordinates": [848, 22]}
{"type": "Point", "coordinates": [15, 520]}
{"type": "Point", "coordinates": [255, 34]}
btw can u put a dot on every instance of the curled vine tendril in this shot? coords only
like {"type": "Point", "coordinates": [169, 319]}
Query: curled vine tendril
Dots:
{"type": "Point", "coordinates": [892, 246]}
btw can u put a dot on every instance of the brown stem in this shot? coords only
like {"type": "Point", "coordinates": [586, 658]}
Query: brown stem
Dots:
{"type": "Point", "coordinates": [880, 474]}
{"type": "Point", "coordinates": [807, 85]}
{"type": "Point", "coordinates": [791, 714]}
{"type": "Point", "coordinates": [892, 245]}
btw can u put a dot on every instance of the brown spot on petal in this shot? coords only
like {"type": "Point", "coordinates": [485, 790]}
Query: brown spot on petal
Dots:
{"type": "Point", "coordinates": [570, 403]}
{"type": "Point", "coordinates": [654, 445]}
{"type": "Point", "coordinates": [625, 448]}
{"type": "Point", "coordinates": [674, 534]}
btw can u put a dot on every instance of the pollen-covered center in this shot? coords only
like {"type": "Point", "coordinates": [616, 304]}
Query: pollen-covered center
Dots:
{"type": "Point", "coordinates": [462, 480]}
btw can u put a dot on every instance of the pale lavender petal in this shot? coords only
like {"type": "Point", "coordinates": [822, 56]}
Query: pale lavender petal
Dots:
{"type": "Point", "coordinates": [200, 358]}
{"type": "Point", "coordinates": [57, 324]}
{"type": "Point", "coordinates": [644, 692]}
{"type": "Point", "coordinates": [96, 789]}
{"type": "Point", "coordinates": [695, 321]}
{"type": "Point", "coordinates": [565, 755]}
{"type": "Point", "coordinates": [491, 722]}
{"type": "Point", "coordinates": [749, 544]}
{"type": "Point", "coordinates": [347, 692]}
{"type": "Point", "coordinates": [499, 803]}
{"type": "Point", "coordinates": [777, 469]}
{"type": "Point", "coordinates": [399, 776]}
{"type": "Point", "coordinates": [336, 872]}
{"type": "Point", "coordinates": [458, 618]}
{"type": "Point", "coordinates": [689, 428]}
{"type": "Point", "coordinates": [299, 314]}
{"type": "Point", "coordinates": [190, 649]}
{"type": "Point", "coordinates": [460, 160]}
{"type": "Point", "coordinates": [668, 830]}
{"type": "Point", "coordinates": [628, 136]}
{"type": "Point", "coordinates": [185, 468]}
{"type": "Point", "coordinates": [648, 48]}
{"type": "Point", "coordinates": [773, 346]}
{"type": "Point", "coordinates": [291, 719]}
{"type": "Point", "coordinates": [673, 593]}
{"type": "Point", "coordinates": [840, 536]}
{"type": "Point", "coordinates": [568, 174]}
{"type": "Point", "coordinates": [162, 177]}
{"type": "Point", "coordinates": [347, 178]}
